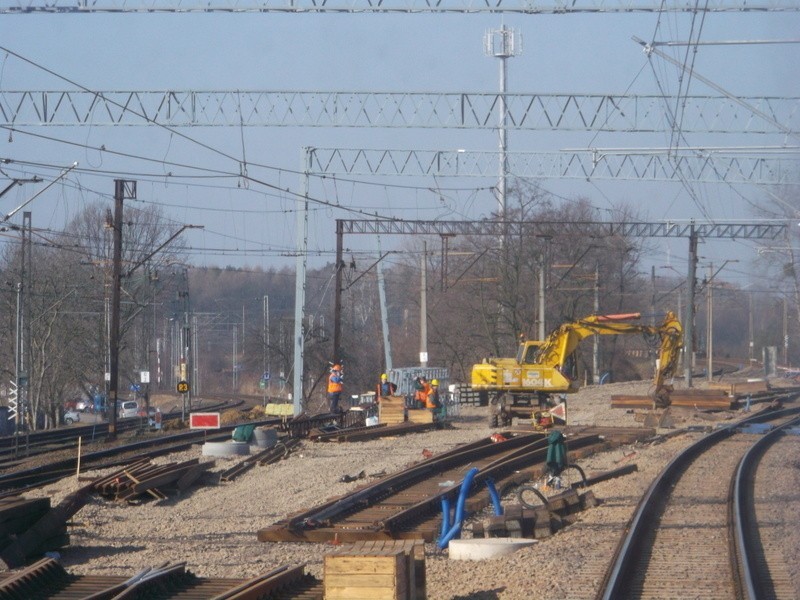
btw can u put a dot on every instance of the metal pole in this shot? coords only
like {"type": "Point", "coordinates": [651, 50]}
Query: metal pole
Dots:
{"type": "Point", "coordinates": [688, 358]}
{"type": "Point", "coordinates": [542, 330]}
{"type": "Point", "coordinates": [113, 384]}
{"type": "Point", "coordinates": [785, 333]}
{"type": "Point", "coordinates": [750, 330]}
{"type": "Point", "coordinates": [337, 297]}
{"type": "Point", "coordinates": [18, 367]}
{"type": "Point", "coordinates": [423, 308]}
{"type": "Point", "coordinates": [265, 318]}
{"type": "Point", "coordinates": [596, 347]}
{"type": "Point", "coordinates": [710, 331]}
{"type": "Point", "coordinates": [653, 297]}
{"type": "Point", "coordinates": [300, 288]}
{"type": "Point", "coordinates": [503, 182]}
{"type": "Point", "coordinates": [387, 347]}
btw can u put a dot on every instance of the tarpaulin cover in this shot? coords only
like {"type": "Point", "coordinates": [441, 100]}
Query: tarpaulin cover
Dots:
{"type": "Point", "coordinates": [556, 452]}
{"type": "Point", "coordinates": [243, 433]}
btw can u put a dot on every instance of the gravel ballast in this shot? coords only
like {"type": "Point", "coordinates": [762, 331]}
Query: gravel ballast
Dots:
{"type": "Point", "coordinates": [213, 527]}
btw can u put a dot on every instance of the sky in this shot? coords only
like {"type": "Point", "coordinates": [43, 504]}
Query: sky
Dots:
{"type": "Point", "coordinates": [253, 223]}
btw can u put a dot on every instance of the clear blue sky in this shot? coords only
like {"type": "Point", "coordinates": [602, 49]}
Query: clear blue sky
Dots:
{"type": "Point", "coordinates": [585, 54]}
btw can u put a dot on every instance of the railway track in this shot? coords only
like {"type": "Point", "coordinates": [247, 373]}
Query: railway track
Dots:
{"type": "Point", "coordinates": [696, 533]}
{"type": "Point", "coordinates": [15, 449]}
{"type": "Point", "coordinates": [407, 505]}
{"type": "Point", "coordinates": [46, 579]}
{"type": "Point", "coordinates": [16, 480]}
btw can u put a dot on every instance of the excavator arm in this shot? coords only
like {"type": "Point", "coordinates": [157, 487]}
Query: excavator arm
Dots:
{"type": "Point", "coordinates": [562, 342]}
{"type": "Point", "coordinates": [543, 368]}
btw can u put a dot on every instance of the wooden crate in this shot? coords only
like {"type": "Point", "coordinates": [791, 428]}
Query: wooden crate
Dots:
{"type": "Point", "coordinates": [420, 415]}
{"type": "Point", "coordinates": [392, 410]}
{"type": "Point", "coordinates": [382, 577]}
{"type": "Point", "coordinates": [376, 569]}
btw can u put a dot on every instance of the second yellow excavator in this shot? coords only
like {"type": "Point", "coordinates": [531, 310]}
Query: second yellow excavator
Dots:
{"type": "Point", "coordinates": [542, 368]}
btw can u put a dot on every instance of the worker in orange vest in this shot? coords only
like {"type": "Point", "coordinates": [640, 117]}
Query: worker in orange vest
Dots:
{"type": "Point", "coordinates": [335, 387]}
{"type": "Point", "coordinates": [423, 388]}
{"type": "Point", "coordinates": [432, 401]}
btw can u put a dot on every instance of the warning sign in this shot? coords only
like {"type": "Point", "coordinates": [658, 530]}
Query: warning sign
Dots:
{"type": "Point", "coordinates": [560, 411]}
{"type": "Point", "coordinates": [204, 420]}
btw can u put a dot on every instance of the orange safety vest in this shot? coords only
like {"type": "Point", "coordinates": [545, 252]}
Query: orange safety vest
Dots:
{"type": "Point", "coordinates": [422, 395]}
{"type": "Point", "coordinates": [432, 399]}
{"type": "Point", "coordinates": [334, 386]}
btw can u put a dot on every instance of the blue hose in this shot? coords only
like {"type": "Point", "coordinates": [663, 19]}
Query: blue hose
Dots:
{"type": "Point", "coordinates": [498, 508]}
{"type": "Point", "coordinates": [459, 517]}
{"type": "Point", "coordinates": [445, 517]}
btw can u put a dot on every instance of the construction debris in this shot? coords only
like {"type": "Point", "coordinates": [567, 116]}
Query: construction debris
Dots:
{"type": "Point", "coordinates": [142, 479]}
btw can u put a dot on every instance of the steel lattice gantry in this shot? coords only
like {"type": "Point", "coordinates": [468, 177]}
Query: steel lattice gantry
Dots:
{"type": "Point", "coordinates": [394, 6]}
{"type": "Point", "coordinates": [710, 166]}
{"type": "Point", "coordinates": [770, 230]}
{"type": "Point", "coordinates": [472, 110]}
{"type": "Point", "coordinates": [691, 230]}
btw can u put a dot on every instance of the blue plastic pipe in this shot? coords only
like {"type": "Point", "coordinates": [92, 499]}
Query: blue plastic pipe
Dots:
{"type": "Point", "coordinates": [445, 517]}
{"type": "Point", "coordinates": [459, 517]}
{"type": "Point", "coordinates": [498, 508]}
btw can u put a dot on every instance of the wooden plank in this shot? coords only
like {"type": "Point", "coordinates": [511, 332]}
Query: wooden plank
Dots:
{"type": "Point", "coordinates": [368, 564]}
{"type": "Point", "coordinates": [749, 387]}
{"type": "Point", "coordinates": [371, 580]}
{"type": "Point", "coordinates": [420, 416]}
{"type": "Point", "coordinates": [351, 593]}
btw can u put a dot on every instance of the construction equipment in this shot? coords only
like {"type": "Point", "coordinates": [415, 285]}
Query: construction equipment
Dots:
{"type": "Point", "coordinates": [515, 386]}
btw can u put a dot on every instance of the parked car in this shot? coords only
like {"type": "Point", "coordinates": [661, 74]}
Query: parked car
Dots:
{"type": "Point", "coordinates": [71, 416]}
{"type": "Point", "coordinates": [129, 408]}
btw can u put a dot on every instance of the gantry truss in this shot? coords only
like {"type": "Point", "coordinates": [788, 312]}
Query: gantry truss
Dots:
{"type": "Point", "coordinates": [682, 165]}
{"type": "Point", "coordinates": [394, 6]}
{"type": "Point", "coordinates": [473, 110]}
{"type": "Point", "coordinates": [595, 229]}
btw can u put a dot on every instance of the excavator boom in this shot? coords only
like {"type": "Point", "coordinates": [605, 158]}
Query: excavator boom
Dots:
{"type": "Point", "coordinates": [547, 367]}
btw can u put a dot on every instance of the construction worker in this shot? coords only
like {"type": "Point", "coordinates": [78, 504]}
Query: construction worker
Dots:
{"type": "Point", "coordinates": [387, 388]}
{"type": "Point", "coordinates": [423, 388]}
{"type": "Point", "coordinates": [335, 387]}
{"type": "Point", "coordinates": [433, 402]}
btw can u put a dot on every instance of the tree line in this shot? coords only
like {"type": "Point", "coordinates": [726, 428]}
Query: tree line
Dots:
{"type": "Point", "coordinates": [481, 296]}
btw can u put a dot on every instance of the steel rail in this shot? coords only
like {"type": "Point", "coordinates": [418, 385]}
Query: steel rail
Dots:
{"type": "Point", "coordinates": [46, 578]}
{"type": "Point", "coordinates": [536, 452]}
{"type": "Point", "coordinates": [633, 544]}
{"type": "Point", "coordinates": [314, 516]}
{"type": "Point", "coordinates": [754, 582]}
{"type": "Point", "coordinates": [153, 447]}
{"type": "Point", "coordinates": [405, 478]}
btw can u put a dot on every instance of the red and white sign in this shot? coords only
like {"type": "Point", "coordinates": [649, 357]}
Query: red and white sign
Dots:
{"type": "Point", "coordinates": [204, 420]}
{"type": "Point", "coordinates": [560, 411]}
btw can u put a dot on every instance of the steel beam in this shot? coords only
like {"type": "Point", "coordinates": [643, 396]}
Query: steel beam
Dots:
{"type": "Point", "coordinates": [633, 164]}
{"type": "Point", "coordinates": [467, 110]}
{"type": "Point", "coordinates": [394, 6]}
{"type": "Point", "coordinates": [765, 230]}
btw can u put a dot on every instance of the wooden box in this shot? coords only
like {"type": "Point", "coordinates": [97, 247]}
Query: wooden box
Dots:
{"type": "Point", "coordinates": [382, 577]}
{"type": "Point", "coordinates": [376, 570]}
{"type": "Point", "coordinates": [392, 410]}
{"type": "Point", "coordinates": [420, 415]}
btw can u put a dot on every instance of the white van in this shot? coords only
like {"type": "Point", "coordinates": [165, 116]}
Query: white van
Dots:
{"type": "Point", "coordinates": [129, 408]}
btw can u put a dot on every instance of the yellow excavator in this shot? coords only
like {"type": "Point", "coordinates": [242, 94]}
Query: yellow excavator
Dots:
{"type": "Point", "coordinates": [515, 387]}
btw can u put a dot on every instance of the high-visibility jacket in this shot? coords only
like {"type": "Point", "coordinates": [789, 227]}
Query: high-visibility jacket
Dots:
{"type": "Point", "coordinates": [423, 389]}
{"type": "Point", "coordinates": [335, 383]}
{"type": "Point", "coordinates": [432, 399]}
